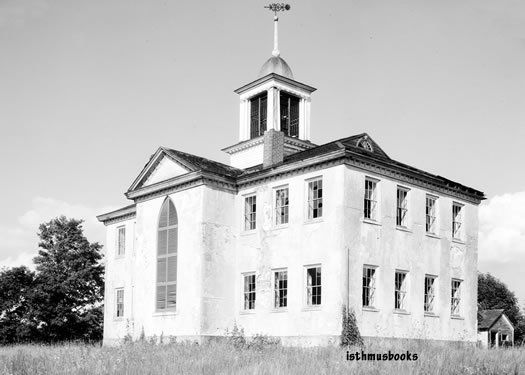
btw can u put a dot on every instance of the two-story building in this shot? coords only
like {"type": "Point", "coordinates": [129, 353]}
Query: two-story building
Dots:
{"type": "Point", "coordinates": [279, 240]}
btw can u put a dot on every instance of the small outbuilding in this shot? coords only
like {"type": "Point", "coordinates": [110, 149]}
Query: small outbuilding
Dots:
{"type": "Point", "coordinates": [495, 329]}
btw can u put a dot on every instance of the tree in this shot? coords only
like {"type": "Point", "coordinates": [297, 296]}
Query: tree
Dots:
{"type": "Point", "coordinates": [494, 294]}
{"type": "Point", "coordinates": [68, 289]}
{"type": "Point", "coordinates": [15, 286]}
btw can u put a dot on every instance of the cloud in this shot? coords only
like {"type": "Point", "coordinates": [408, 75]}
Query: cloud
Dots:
{"type": "Point", "coordinates": [502, 239]}
{"type": "Point", "coordinates": [20, 242]}
{"type": "Point", "coordinates": [502, 228]}
{"type": "Point", "coordinates": [19, 13]}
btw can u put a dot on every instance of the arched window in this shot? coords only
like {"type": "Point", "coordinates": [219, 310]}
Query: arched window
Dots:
{"type": "Point", "coordinates": [167, 257]}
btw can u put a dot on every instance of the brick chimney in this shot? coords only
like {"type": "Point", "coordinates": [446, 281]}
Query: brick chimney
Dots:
{"type": "Point", "coordinates": [273, 148]}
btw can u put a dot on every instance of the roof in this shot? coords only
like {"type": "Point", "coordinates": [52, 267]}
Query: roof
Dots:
{"type": "Point", "coordinates": [360, 148]}
{"type": "Point", "coordinates": [488, 318]}
{"type": "Point", "coordinates": [277, 65]}
{"type": "Point", "coordinates": [203, 164]}
{"type": "Point", "coordinates": [354, 145]}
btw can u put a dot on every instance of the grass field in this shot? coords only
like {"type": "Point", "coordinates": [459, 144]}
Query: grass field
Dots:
{"type": "Point", "coordinates": [215, 358]}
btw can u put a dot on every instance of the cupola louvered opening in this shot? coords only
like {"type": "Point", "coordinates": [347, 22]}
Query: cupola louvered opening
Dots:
{"type": "Point", "coordinates": [167, 246]}
{"type": "Point", "coordinates": [258, 114]}
{"type": "Point", "coordinates": [289, 114]}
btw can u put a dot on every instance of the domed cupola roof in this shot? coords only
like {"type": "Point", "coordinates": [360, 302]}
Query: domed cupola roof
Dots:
{"type": "Point", "coordinates": [277, 65]}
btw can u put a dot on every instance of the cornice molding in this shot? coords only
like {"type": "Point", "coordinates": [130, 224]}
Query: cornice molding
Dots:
{"type": "Point", "coordinates": [340, 156]}
{"type": "Point", "coordinates": [122, 214]}
{"type": "Point", "coordinates": [278, 78]}
{"type": "Point", "coordinates": [184, 182]}
{"type": "Point", "coordinates": [289, 142]}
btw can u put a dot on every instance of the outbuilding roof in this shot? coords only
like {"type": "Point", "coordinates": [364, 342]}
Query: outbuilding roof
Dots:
{"type": "Point", "coordinates": [488, 318]}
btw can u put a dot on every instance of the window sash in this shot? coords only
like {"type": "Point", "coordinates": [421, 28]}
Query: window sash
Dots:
{"type": "Point", "coordinates": [281, 289]}
{"type": "Point", "coordinates": [429, 293]}
{"type": "Point", "coordinates": [370, 200]}
{"type": "Point", "coordinates": [249, 292]}
{"type": "Point", "coordinates": [281, 206]}
{"type": "Point", "coordinates": [315, 199]}
{"type": "Point", "coordinates": [313, 286]}
{"type": "Point", "coordinates": [400, 290]}
{"type": "Point", "coordinates": [457, 221]}
{"type": "Point", "coordinates": [119, 303]}
{"type": "Point", "coordinates": [369, 286]}
{"type": "Point", "coordinates": [250, 212]}
{"type": "Point", "coordinates": [455, 299]}
{"type": "Point", "coordinates": [430, 214]}
{"type": "Point", "coordinates": [402, 207]}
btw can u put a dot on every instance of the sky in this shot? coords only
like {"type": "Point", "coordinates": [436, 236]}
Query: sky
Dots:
{"type": "Point", "coordinates": [90, 89]}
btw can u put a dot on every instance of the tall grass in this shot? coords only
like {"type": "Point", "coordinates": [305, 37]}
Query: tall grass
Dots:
{"type": "Point", "coordinates": [223, 358]}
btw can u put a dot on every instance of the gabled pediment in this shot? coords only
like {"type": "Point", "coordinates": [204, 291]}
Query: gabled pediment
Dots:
{"type": "Point", "coordinates": [162, 166]}
{"type": "Point", "coordinates": [365, 142]}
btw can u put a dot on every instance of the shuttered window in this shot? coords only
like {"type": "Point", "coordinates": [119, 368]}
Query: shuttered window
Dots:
{"type": "Point", "coordinates": [167, 245]}
{"type": "Point", "coordinates": [289, 114]}
{"type": "Point", "coordinates": [121, 241]}
{"type": "Point", "coordinates": [258, 111]}
{"type": "Point", "coordinates": [119, 302]}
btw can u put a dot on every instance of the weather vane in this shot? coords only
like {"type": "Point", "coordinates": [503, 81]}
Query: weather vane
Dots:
{"type": "Point", "coordinates": [276, 7]}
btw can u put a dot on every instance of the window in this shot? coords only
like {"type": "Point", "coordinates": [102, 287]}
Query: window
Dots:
{"type": "Point", "coordinates": [249, 291]}
{"type": "Point", "coordinates": [455, 297]}
{"type": "Point", "coordinates": [315, 199]}
{"type": "Point", "coordinates": [167, 244]}
{"type": "Point", "coordinates": [429, 293]}
{"type": "Point", "coordinates": [370, 210]}
{"type": "Point", "coordinates": [281, 288]}
{"type": "Point", "coordinates": [431, 214]}
{"type": "Point", "coordinates": [457, 220]}
{"type": "Point", "coordinates": [250, 212]}
{"type": "Point", "coordinates": [313, 286]}
{"type": "Point", "coordinates": [400, 290]}
{"type": "Point", "coordinates": [289, 114]}
{"type": "Point", "coordinates": [281, 206]}
{"type": "Point", "coordinates": [402, 207]}
{"type": "Point", "coordinates": [119, 294]}
{"type": "Point", "coordinates": [121, 241]}
{"type": "Point", "coordinates": [258, 110]}
{"type": "Point", "coordinates": [369, 286]}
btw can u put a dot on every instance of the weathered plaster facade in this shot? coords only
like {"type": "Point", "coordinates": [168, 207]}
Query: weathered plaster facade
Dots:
{"type": "Point", "coordinates": [215, 251]}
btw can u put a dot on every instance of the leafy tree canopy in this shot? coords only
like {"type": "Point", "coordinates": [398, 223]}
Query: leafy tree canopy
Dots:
{"type": "Point", "coordinates": [62, 299]}
{"type": "Point", "coordinates": [494, 294]}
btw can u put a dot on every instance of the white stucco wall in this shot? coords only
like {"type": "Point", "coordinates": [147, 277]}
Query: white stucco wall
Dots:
{"type": "Point", "coordinates": [136, 272]}
{"type": "Point", "coordinates": [411, 250]}
{"type": "Point", "coordinates": [215, 251]}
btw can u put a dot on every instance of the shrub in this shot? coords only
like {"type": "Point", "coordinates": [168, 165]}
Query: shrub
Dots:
{"type": "Point", "coordinates": [350, 335]}
{"type": "Point", "coordinates": [236, 337]}
{"type": "Point", "coordinates": [261, 342]}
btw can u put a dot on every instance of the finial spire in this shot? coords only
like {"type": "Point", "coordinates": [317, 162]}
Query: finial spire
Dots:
{"type": "Point", "coordinates": [276, 7]}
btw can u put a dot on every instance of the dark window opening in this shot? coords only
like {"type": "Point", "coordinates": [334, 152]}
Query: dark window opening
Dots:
{"type": "Point", "coordinates": [289, 115]}
{"type": "Point", "coordinates": [258, 107]}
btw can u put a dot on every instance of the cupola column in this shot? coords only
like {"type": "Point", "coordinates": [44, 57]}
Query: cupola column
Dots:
{"type": "Point", "coordinates": [244, 120]}
{"type": "Point", "coordinates": [273, 109]}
